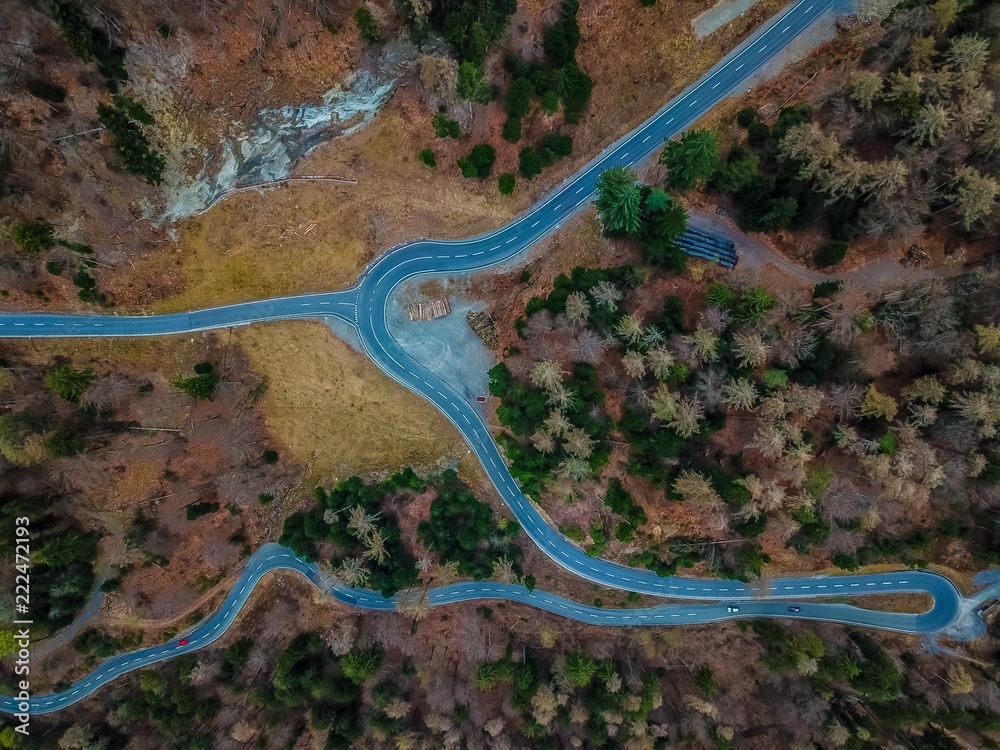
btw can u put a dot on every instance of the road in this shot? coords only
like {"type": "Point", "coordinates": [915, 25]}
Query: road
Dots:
{"type": "Point", "coordinates": [273, 557]}
{"type": "Point", "coordinates": [365, 306]}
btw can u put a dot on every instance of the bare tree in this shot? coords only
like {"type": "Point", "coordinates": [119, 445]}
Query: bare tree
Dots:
{"type": "Point", "coordinates": [577, 308]}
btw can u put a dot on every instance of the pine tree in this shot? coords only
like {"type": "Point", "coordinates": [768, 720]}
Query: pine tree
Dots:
{"type": "Point", "coordinates": [618, 200]}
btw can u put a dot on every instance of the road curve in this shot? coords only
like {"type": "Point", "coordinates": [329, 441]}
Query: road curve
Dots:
{"type": "Point", "coordinates": [365, 306]}
{"type": "Point", "coordinates": [272, 557]}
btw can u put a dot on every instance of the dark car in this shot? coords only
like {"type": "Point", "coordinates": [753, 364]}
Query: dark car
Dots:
{"type": "Point", "coordinates": [794, 609]}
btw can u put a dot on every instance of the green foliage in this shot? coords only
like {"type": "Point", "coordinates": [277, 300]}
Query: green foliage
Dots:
{"type": "Point", "coordinates": [813, 530]}
{"type": "Point", "coordinates": [444, 127]}
{"type": "Point", "coordinates": [554, 146]}
{"type": "Point", "coordinates": [471, 85]}
{"type": "Point", "coordinates": [529, 163]}
{"type": "Point", "coordinates": [361, 666]}
{"type": "Point", "coordinates": [461, 530]}
{"type": "Point", "coordinates": [827, 289]}
{"type": "Point", "coordinates": [746, 116]}
{"type": "Point", "coordinates": [63, 443]}
{"type": "Point", "coordinates": [663, 222]}
{"type": "Point", "coordinates": [33, 237]}
{"type": "Point", "coordinates": [775, 379]}
{"type": "Point", "coordinates": [270, 457]}
{"type": "Point", "coordinates": [89, 42]}
{"type": "Point", "coordinates": [201, 385]}
{"type": "Point", "coordinates": [69, 383]}
{"type": "Point", "coordinates": [199, 509]}
{"type": "Point", "coordinates": [758, 133]}
{"type": "Point", "coordinates": [739, 172]}
{"type": "Point", "coordinates": [368, 28]}
{"type": "Point", "coordinates": [621, 502]}
{"type": "Point", "coordinates": [561, 40]}
{"type": "Point", "coordinates": [511, 131]}
{"type": "Point", "coordinates": [305, 675]}
{"type": "Point", "coordinates": [303, 530]}
{"type": "Point", "coordinates": [478, 162]}
{"type": "Point", "coordinates": [517, 102]}
{"type": "Point", "coordinates": [88, 288]}
{"type": "Point", "coordinates": [753, 305]}
{"type": "Point", "coordinates": [525, 407]}
{"type": "Point", "coordinates": [470, 26]}
{"type": "Point", "coordinates": [690, 158]}
{"type": "Point", "coordinates": [831, 254]}
{"type": "Point", "coordinates": [96, 643]}
{"type": "Point", "coordinates": [580, 668]}
{"type": "Point", "coordinates": [125, 120]}
{"type": "Point", "coordinates": [818, 480]}
{"type": "Point", "coordinates": [618, 201]}
{"type": "Point", "coordinates": [428, 158]}
{"type": "Point", "coordinates": [704, 678]}
{"type": "Point", "coordinates": [750, 560]}
{"type": "Point", "coordinates": [573, 532]}
{"type": "Point", "coordinates": [719, 295]}
{"type": "Point", "coordinates": [507, 183]}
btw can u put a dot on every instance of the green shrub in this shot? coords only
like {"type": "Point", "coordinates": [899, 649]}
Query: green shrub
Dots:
{"type": "Point", "coordinates": [746, 116]}
{"type": "Point", "coordinates": [573, 532]}
{"type": "Point", "coordinates": [550, 102]}
{"type": "Point", "coordinates": [444, 127]}
{"type": "Point", "coordinates": [368, 28]}
{"type": "Point", "coordinates": [776, 379]}
{"type": "Point", "coordinates": [757, 133]}
{"type": "Point", "coordinates": [555, 146]}
{"type": "Point", "coordinates": [202, 385]}
{"type": "Point", "coordinates": [530, 163]}
{"type": "Point", "coordinates": [507, 183]}
{"type": "Point", "coordinates": [124, 120]}
{"type": "Point", "coordinates": [719, 295]}
{"type": "Point", "coordinates": [69, 383]}
{"type": "Point", "coordinates": [827, 288]}
{"type": "Point", "coordinates": [519, 95]}
{"type": "Point", "coordinates": [54, 267]}
{"type": "Point", "coordinates": [478, 162]}
{"type": "Point", "coordinates": [831, 254]}
{"type": "Point", "coordinates": [270, 457]}
{"type": "Point", "coordinates": [471, 86]}
{"type": "Point", "coordinates": [33, 237]}
{"type": "Point", "coordinates": [199, 509]}
{"type": "Point", "coordinates": [428, 158]}
{"type": "Point", "coordinates": [63, 443]}
{"type": "Point", "coordinates": [754, 304]}
{"type": "Point", "coordinates": [511, 131]}
{"type": "Point", "coordinates": [624, 531]}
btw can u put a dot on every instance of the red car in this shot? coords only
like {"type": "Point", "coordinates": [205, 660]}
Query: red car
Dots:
{"type": "Point", "coordinates": [182, 642]}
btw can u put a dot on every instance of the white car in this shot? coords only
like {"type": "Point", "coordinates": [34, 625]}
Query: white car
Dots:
{"type": "Point", "coordinates": [732, 608]}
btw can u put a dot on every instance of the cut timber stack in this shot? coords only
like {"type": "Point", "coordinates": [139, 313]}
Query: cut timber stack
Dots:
{"type": "Point", "coordinates": [437, 308]}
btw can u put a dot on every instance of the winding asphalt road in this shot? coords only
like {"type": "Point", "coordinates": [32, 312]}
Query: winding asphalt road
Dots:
{"type": "Point", "coordinates": [365, 307]}
{"type": "Point", "coordinates": [272, 557]}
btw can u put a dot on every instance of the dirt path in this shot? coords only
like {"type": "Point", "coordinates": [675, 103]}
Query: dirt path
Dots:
{"type": "Point", "coordinates": [756, 256]}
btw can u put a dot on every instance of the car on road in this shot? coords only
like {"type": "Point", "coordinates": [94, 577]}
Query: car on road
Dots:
{"type": "Point", "coordinates": [794, 609]}
{"type": "Point", "coordinates": [182, 642]}
{"type": "Point", "coordinates": [732, 608]}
